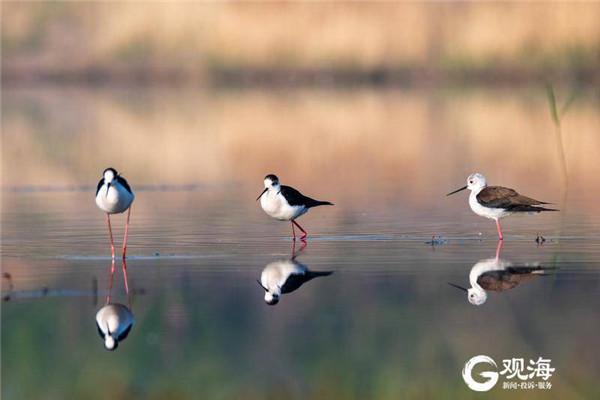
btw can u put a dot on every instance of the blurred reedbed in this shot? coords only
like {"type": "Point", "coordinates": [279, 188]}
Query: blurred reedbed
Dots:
{"type": "Point", "coordinates": [216, 40]}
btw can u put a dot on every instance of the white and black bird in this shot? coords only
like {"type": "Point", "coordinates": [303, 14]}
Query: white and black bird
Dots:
{"type": "Point", "coordinates": [285, 276]}
{"type": "Point", "coordinates": [497, 202]}
{"type": "Point", "coordinates": [114, 196]}
{"type": "Point", "coordinates": [497, 275]}
{"type": "Point", "coordinates": [114, 322]}
{"type": "Point", "coordinates": [286, 203]}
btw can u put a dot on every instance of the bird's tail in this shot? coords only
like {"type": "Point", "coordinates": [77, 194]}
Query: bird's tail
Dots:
{"type": "Point", "coordinates": [316, 203]}
{"type": "Point", "coordinates": [315, 274]}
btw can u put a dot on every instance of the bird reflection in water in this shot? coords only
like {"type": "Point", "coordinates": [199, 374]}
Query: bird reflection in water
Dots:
{"type": "Point", "coordinates": [114, 321]}
{"type": "Point", "coordinates": [497, 275]}
{"type": "Point", "coordinates": [285, 276]}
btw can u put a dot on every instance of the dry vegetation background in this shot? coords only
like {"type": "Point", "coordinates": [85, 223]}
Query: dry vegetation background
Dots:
{"type": "Point", "coordinates": [220, 40]}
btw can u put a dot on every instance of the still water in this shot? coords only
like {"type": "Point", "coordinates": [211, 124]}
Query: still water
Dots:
{"type": "Point", "coordinates": [384, 324]}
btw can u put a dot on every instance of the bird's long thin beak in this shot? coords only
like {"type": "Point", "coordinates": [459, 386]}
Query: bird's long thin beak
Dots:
{"type": "Point", "coordinates": [107, 187]}
{"type": "Point", "coordinates": [261, 285]}
{"type": "Point", "coordinates": [458, 190]}
{"type": "Point", "coordinates": [263, 192]}
{"type": "Point", "coordinates": [458, 287]}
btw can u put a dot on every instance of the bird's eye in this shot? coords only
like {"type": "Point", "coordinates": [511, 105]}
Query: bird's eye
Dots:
{"type": "Point", "coordinates": [471, 182]}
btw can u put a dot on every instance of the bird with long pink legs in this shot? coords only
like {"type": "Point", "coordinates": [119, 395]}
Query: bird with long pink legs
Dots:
{"type": "Point", "coordinates": [114, 196]}
{"type": "Point", "coordinates": [285, 203]}
{"type": "Point", "coordinates": [497, 275]}
{"type": "Point", "coordinates": [497, 202]}
{"type": "Point", "coordinates": [115, 320]}
{"type": "Point", "coordinates": [285, 276]}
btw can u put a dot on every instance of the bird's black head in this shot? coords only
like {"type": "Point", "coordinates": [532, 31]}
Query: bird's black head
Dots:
{"type": "Point", "coordinates": [272, 178]}
{"type": "Point", "coordinates": [109, 174]}
{"type": "Point", "coordinates": [110, 343]}
{"type": "Point", "coordinates": [271, 181]}
{"type": "Point", "coordinates": [272, 300]}
{"type": "Point", "coordinates": [113, 348]}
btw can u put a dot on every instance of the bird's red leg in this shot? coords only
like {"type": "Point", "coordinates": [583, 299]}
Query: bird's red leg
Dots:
{"type": "Point", "coordinates": [304, 234]}
{"type": "Point", "coordinates": [126, 231]}
{"type": "Point", "coordinates": [293, 231]}
{"type": "Point", "coordinates": [294, 253]}
{"type": "Point", "coordinates": [302, 247]}
{"type": "Point", "coordinates": [112, 243]}
{"type": "Point", "coordinates": [499, 230]}
{"type": "Point", "coordinates": [125, 278]}
{"type": "Point", "coordinates": [498, 249]}
{"type": "Point", "coordinates": [112, 273]}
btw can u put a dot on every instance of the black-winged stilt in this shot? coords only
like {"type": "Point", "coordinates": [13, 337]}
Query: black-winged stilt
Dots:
{"type": "Point", "coordinates": [497, 275]}
{"type": "Point", "coordinates": [114, 196]}
{"type": "Point", "coordinates": [285, 276]}
{"type": "Point", "coordinates": [114, 321]}
{"type": "Point", "coordinates": [497, 202]}
{"type": "Point", "coordinates": [286, 203]}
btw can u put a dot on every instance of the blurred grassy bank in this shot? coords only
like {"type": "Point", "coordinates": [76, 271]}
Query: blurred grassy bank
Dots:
{"type": "Point", "coordinates": [299, 43]}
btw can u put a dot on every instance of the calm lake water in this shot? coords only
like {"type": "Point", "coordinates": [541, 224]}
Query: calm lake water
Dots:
{"type": "Point", "coordinates": [384, 325]}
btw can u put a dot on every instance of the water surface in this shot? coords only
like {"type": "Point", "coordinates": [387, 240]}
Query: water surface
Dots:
{"type": "Point", "coordinates": [385, 324]}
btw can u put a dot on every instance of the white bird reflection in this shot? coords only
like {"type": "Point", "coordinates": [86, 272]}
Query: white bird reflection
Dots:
{"type": "Point", "coordinates": [285, 276]}
{"type": "Point", "coordinates": [115, 320]}
{"type": "Point", "coordinates": [497, 275]}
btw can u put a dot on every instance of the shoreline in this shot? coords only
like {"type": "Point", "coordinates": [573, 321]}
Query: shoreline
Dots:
{"type": "Point", "coordinates": [13, 76]}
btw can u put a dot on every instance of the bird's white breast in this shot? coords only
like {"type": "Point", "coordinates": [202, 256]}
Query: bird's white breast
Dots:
{"type": "Point", "coordinates": [115, 317]}
{"type": "Point", "coordinates": [275, 274]}
{"type": "Point", "coordinates": [276, 206]}
{"type": "Point", "coordinates": [117, 200]}
{"type": "Point", "coordinates": [493, 213]}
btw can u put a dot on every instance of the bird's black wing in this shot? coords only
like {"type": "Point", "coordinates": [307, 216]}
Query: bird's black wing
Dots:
{"type": "Point", "coordinates": [295, 198]}
{"type": "Point", "coordinates": [124, 183]}
{"type": "Point", "coordinates": [496, 281]}
{"type": "Point", "coordinates": [509, 278]}
{"type": "Point", "coordinates": [124, 334]}
{"type": "Point", "coordinates": [294, 281]}
{"type": "Point", "coordinates": [99, 186]}
{"type": "Point", "coordinates": [508, 199]}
